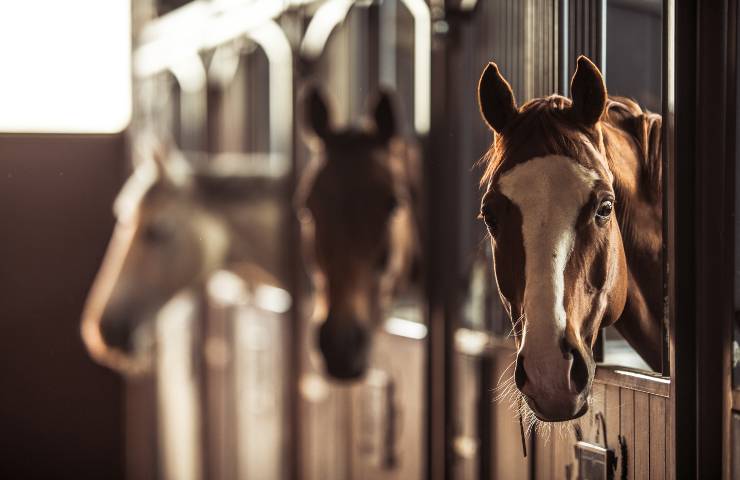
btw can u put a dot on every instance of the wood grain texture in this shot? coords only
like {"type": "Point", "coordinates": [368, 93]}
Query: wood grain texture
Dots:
{"type": "Point", "coordinates": [612, 414]}
{"type": "Point", "coordinates": [641, 450]}
{"type": "Point", "coordinates": [657, 438]}
{"type": "Point", "coordinates": [402, 360]}
{"type": "Point", "coordinates": [542, 458]}
{"type": "Point", "coordinates": [563, 454]}
{"type": "Point", "coordinates": [592, 427]}
{"type": "Point", "coordinates": [508, 460]}
{"type": "Point", "coordinates": [627, 430]}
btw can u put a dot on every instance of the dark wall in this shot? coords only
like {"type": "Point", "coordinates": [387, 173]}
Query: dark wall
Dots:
{"type": "Point", "coordinates": [61, 415]}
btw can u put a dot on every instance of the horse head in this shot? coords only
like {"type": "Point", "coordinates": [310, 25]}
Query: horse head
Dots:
{"type": "Point", "coordinates": [560, 179]}
{"type": "Point", "coordinates": [356, 204]}
{"type": "Point", "coordinates": [175, 227]}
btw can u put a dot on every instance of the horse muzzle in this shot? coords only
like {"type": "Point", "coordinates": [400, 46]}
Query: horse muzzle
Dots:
{"type": "Point", "coordinates": [556, 389]}
{"type": "Point", "coordinates": [344, 345]}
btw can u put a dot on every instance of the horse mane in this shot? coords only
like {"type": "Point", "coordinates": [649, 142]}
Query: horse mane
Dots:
{"type": "Point", "coordinates": [545, 123]}
{"type": "Point", "coordinates": [545, 119]}
{"type": "Point", "coordinates": [644, 127]}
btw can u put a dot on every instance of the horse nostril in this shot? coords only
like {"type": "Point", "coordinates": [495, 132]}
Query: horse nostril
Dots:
{"type": "Point", "coordinates": [578, 372]}
{"type": "Point", "coordinates": [359, 339]}
{"type": "Point", "coordinates": [116, 333]}
{"type": "Point", "coordinates": [520, 376]}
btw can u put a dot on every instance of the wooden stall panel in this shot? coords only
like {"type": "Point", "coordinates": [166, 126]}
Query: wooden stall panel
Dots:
{"type": "Point", "coordinates": [466, 440]}
{"type": "Point", "coordinates": [387, 425]}
{"type": "Point", "coordinates": [627, 431]}
{"type": "Point", "coordinates": [657, 438]}
{"type": "Point", "coordinates": [507, 459]}
{"type": "Point", "coordinates": [542, 455]}
{"type": "Point", "coordinates": [612, 414]}
{"type": "Point", "coordinates": [641, 450]}
{"type": "Point", "coordinates": [260, 394]}
{"type": "Point", "coordinates": [632, 424]}
{"type": "Point", "coordinates": [372, 429]}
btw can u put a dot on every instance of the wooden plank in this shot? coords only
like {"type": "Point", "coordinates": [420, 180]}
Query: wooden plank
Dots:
{"type": "Point", "coordinates": [634, 380]}
{"type": "Point", "coordinates": [508, 460]}
{"type": "Point", "coordinates": [627, 431]}
{"type": "Point", "coordinates": [386, 439]}
{"type": "Point", "coordinates": [542, 458]}
{"type": "Point", "coordinates": [563, 454]}
{"type": "Point", "coordinates": [657, 438]}
{"type": "Point", "coordinates": [590, 423]}
{"type": "Point", "coordinates": [641, 450]}
{"type": "Point", "coordinates": [670, 434]}
{"type": "Point", "coordinates": [612, 415]}
{"type": "Point", "coordinates": [466, 443]}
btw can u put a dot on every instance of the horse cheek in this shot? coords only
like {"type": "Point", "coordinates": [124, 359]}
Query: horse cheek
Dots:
{"type": "Point", "coordinates": [618, 294]}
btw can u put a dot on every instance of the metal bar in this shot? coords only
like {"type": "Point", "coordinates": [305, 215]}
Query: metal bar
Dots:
{"type": "Point", "coordinates": [563, 54]}
{"type": "Point", "coordinates": [175, 36]}
{"type": "Point", "coordinates": [273, 41]}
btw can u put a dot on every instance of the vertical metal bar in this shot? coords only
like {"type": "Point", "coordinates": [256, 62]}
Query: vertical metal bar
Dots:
{"type": "Point", "coordinates": [563, 50]}
{"type": "Point", "coordinates": [714, 305]}
{"type": "Point", "coordinates": [602, 35]}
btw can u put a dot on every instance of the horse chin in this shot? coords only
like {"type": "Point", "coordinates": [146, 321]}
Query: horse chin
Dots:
{"type": "Point", "coordinates": [344, 374]}
{"type": "Point", "coordinates": [136, 362]}
{"type": "Point", "coordinates": [558, 417]}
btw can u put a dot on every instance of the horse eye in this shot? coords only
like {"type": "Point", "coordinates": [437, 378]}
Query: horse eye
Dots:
{"type": "Point", "coordinates": [391, 203]}
{"type": "Point", "coordinates": [491, 222]}
{"type": "Point", "coordinates": [381, 262]}
{"type": "Point", "coordinates": [155, 233]}
{"type": "Point", "coordinates": [605, 209]}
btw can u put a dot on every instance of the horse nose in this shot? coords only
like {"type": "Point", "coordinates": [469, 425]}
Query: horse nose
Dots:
{"type": "Point", "coordinates": [116, 332]}
{"type": "Point", "coordinates": [520, 376]}
{"type": "Point", "coordinates": [344, 346]}
{"type": "Point", "coordinates": [578, 370]}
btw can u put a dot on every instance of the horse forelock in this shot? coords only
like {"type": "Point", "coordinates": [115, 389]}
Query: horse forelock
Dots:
{"type": "Point", "coordinates": [544, 127]}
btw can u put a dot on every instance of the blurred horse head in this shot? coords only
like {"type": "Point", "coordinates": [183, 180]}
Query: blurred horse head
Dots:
{"type": "Point", "coordinates": [357, 205]}
{"type": "Point", "coordinates": [176, 225]}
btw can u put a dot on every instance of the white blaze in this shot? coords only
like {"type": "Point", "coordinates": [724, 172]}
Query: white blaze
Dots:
{"type": "Point", "coordinates": [550, 192]}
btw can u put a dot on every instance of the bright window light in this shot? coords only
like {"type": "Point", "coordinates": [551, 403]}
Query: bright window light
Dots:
{"type": "Point", "coordinates": [66, 66]}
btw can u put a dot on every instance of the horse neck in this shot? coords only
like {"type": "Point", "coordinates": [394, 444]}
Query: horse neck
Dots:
{"type": "Point", "coordinates": [639, 213]}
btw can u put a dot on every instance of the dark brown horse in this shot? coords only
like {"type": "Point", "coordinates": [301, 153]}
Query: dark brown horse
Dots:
{"type": "Point", "coordinates": [573, 204]}
{"type": "Point", "coordinates": [358, 208]}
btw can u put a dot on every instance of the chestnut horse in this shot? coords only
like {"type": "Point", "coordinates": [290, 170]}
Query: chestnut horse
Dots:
{"type": "Point", "coordinates": [573, 205]}
{"type": "Point", "coordinates": [357, 203]}
{"type": "Point", "coordinates": [178, 222]}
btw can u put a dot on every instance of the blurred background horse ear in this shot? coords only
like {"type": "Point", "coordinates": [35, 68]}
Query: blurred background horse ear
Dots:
{"type": "Point", "coordinates": [384, 113]}
{"type": "Point", "coordinates": [316, 118]}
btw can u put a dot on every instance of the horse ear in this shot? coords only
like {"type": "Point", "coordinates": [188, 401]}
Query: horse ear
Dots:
{"type": "Point", "coordinates": [588, 91]}
{"type": "Point", "coordinates": [495, 98]}
{"type": "Point", "coordinates": [316, 114]}
{"type": "Point", "coordinates": [384, 116]}
{"type": "Point", "coordinates": [171, 165]}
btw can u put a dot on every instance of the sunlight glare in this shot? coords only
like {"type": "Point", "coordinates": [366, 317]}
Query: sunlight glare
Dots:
{"type": "Point", "coordinates": [66, 66]}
